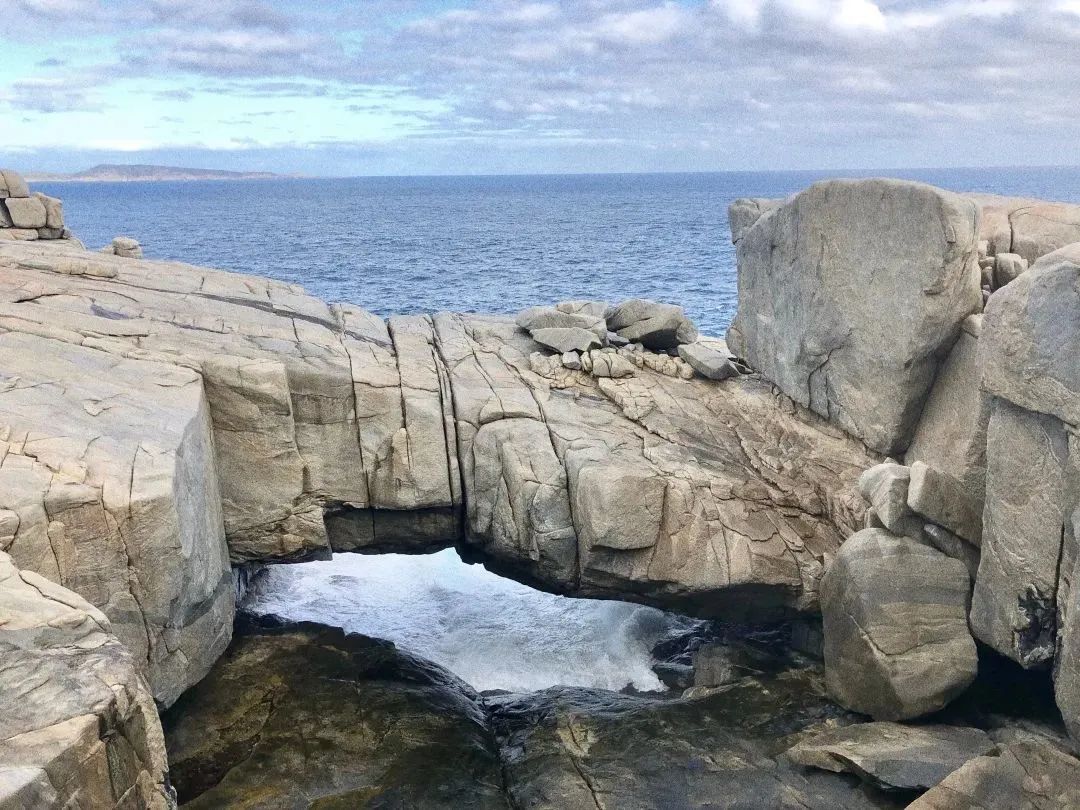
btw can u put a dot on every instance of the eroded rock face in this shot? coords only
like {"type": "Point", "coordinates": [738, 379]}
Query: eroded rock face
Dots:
{"type": "Point", "coordinates": [583, 749]}
{"type": "Point", "coordinates": [334, 429]}
{"type": "Point", "coordinates": [110, 488]}
{"type": "Point", "coordinates": [850, 296]}
{"type": "Point", "coordinates": [897, 645]}
{"type": "Point", "coordinates": [1025, 227]}
{"type": "Point", "coordinates": [648, 486]}
{"type": "Point", "coordinates": [78, 727]}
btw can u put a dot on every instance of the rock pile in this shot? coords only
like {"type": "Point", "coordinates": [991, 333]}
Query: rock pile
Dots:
{"type": "Point", "coordinates": [613, 341]}
{"type": "Point", "coordinates": [25, 216]}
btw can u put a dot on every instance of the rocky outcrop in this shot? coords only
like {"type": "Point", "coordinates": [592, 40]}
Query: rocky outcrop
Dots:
{"type": "Point", "coordinates": [164, 421]}
{"type": "Point", "coordinates": [897, 644]}
{"type": "Point", "coordinates": [1025, 227]}
{"type": "Point", "coordinates": [893, 756]}
{"type": "Point", "coordinates": [1026, 774]}
{"type": "Point", "coordinates": [25, 216]}
{"type": "Point", "coordinates": [78, 726]}
{"type": "Point", "coordinates": [851, 294]}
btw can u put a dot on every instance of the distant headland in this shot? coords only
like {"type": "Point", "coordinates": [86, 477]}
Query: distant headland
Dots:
{"type": "Point", "coordinates": [117, 172]}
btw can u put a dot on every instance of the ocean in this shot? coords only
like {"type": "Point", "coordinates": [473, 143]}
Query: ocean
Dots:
{"type": "Point", "coordinates": [476, 244]}
{"type": "Point", "coordinates": [406, 245]}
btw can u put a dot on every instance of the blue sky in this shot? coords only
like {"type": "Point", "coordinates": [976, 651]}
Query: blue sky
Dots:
{"type": "Point", "coordinates": [497, 86]}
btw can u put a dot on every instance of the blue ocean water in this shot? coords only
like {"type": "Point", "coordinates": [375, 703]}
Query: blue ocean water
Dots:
{"type": "Point", "coordinates": [477, 244]}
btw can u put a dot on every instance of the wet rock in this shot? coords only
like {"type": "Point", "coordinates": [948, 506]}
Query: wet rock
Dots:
{"type": "Point", "coordinates": [1024, 775]}
{"type": "Point", "coordinates": [851, 294]}
{"type": "Point", "coordinates": [303, 714]}
{"type": "Point", "coordinates": [571, 749]}
{"type": "Point", "coordinates": [674, 676]}
{"type": "Point", "coordinates": [892, 756]}
{"type": "Point", "coordinates": [897, 645]}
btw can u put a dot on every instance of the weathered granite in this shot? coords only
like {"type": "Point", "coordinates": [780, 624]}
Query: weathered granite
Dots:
{"type": "Point", "coordinates": [319, 410]}
{"type": "Point", "coordinates": [951, 434]}
{"type": "Point", "coordinates": [1026, 227]}
{"type": "Point", "coordinates": [108, 474]}
{"type": "Point", "coordinates": [851, 294]}
{"type": "Point", "coordinates": [897, 644]}
{"type": "Point", "coordinates": [78, 727]}
{"type": "Point", "coordinates": [1026, 775]}
{"type": "Point", "coordinates": [893, 756]}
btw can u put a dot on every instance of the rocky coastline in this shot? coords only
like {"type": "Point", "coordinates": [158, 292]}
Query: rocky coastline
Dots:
{"type": "Point", "coordinates": [878, 463]}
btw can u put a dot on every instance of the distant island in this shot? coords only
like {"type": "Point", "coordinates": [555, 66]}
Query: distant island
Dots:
{"type": "Point", "coordinates": [116, 172]}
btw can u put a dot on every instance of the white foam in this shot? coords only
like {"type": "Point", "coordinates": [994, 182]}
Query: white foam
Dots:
{"type": "Point", "coordinates": [492, 632]}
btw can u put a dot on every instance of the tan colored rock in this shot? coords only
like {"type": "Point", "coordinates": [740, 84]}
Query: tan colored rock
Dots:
{"type": "Point", "coordinates": [1008, 267]}
{"type": "Point", "coordinates": [78, 727]}
{"type": "Point", "coordinates": [54, 212]}
{"type": "Point", "coordinates": [897, 644]}
{"type": "Point", "coordinates": [1028, 775]}
{"type": "Point", "coordinates": [27, 212]}
{"type": "Point", "coordinates": [892, 756]}
{"type": "Point", "coordinates": [851, 294]}
{"type": "Point", "coordinates": [12, 184]}
{"type": "Point", "coordinates": [951, 434]}
{"type": "Point", "coordinates": [108, 464]}
{"type": "Point", "coordinates": [941, 499]}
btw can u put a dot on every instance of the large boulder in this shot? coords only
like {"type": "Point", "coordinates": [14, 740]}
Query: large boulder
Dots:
{"type": "Point", "coordinates": [1029, 351]}
{"type": "Point", "coordinates": [851, 295]}
{"type": "Point", "coordinates": [897, 645]}
{"type": "Point", "coordinates": [108, 474]}
{"type": "Point", "coordinates": [1013, 608]}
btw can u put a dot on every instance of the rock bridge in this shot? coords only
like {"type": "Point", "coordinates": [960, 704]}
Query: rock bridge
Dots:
{"type": "Point", "coordinates": [164, 422]}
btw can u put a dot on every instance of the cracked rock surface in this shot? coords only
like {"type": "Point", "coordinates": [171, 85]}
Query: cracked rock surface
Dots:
{"type": "Point", "coordinates": [78, 726]}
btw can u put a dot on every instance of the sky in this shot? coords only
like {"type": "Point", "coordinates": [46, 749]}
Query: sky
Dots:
{"type": "Point", "coordinates": [377, 87]}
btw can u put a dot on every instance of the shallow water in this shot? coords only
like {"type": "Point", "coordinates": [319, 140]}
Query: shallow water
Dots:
{"type": "Point", "coordinates": [491, 632]}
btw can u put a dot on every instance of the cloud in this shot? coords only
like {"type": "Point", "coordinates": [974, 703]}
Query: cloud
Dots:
{"type": "Point", "coordinates": [719, 81]}
{"type": "Point", "coordinates": [50, 95]}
